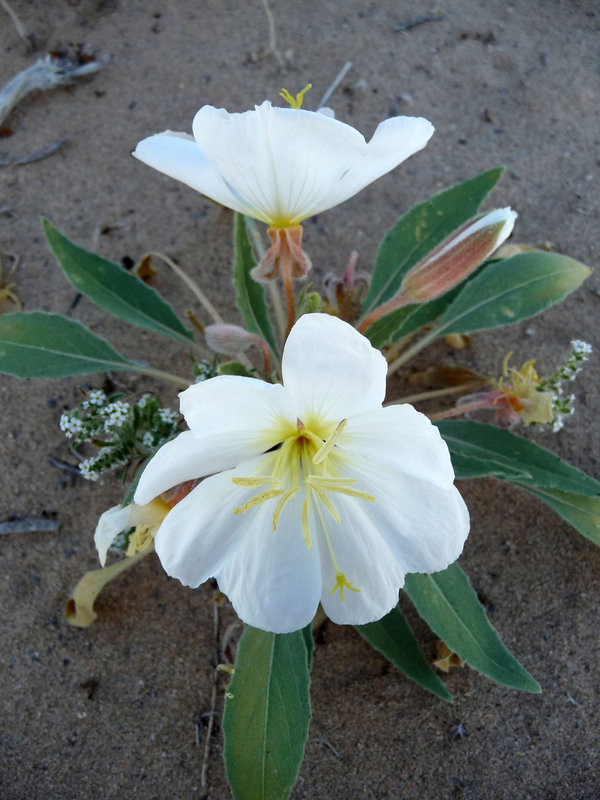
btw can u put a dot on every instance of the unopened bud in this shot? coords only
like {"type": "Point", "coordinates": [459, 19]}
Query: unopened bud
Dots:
{"type": "Point", "coordinates": [457, 257]}
{"type": "Point", "coordinates": [228, 339]}
{"type": "Point", "coordinates": [450, 263]}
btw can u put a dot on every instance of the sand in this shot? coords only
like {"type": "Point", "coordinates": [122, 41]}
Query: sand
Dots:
{"type": "Point", "coordinates": [116, 710]}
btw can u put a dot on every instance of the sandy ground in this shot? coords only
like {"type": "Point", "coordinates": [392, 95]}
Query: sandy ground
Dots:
{"type": "Point", "coordinates": [115, 711]}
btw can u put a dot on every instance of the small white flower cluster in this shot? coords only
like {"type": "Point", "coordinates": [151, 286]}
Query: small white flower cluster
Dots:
{"type": "Point", "coordinates": [563, 406]}
{"type": "Point", "coordinates": [203, 370]}
{"type": "Point", "coordinates": [70, 425]}
{"type": "Point", "coordinates": [116, 414]}
{"type": "Point", "coordinates": [123, 432]}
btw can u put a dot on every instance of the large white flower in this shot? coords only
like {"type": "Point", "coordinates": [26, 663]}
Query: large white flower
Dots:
{"type": "Point", "coordinates": [315, 491]}
{"type": "Point", "coordinates": [281, 165]}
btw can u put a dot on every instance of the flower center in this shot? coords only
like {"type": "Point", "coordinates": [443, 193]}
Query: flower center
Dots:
{"type": "Point", "coordinates": [306, 461]}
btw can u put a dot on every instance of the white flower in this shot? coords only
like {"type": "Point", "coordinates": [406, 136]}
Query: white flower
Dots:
{"type": "Point", "coordinates": [316, 492]}
{"type": "Point", "coordinates": [281, 165]}
{"type": "Point", "coordinates": [145, 519]}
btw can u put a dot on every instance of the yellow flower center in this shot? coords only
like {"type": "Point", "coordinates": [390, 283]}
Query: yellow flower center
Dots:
{"type": "Point", "coordinates": [524, 394]}
{"type": "Point", "coordinates": [306, 459]}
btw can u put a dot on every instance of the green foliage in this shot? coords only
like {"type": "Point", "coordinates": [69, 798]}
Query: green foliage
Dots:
{"type": "Point", "coordinates": [393, 638]}
{"type": "Point", "coordinates": [250, 295]}
{"type": "Point", "coordinates": [420, 230]}
{"type": "Point", "coordinates": [267, 712]}
{"type": "Point", "coordinates": [478, 450]}
{"type": "Point", "coordinates": [234, 368]}
{"type": "Point", "coordinates": [113, 289]}
{"type": "Point", "coordinates": [39, 345]}
{"type": "Point", "coordinates": [447, 602]}
{"type": "Point", "coordinates": [510, 290]}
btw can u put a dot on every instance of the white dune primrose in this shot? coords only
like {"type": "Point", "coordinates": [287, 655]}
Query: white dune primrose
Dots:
{"type": "Point", "coordinates": [281, 166]}
{"type": "Point", "coordinates": [312, 491]}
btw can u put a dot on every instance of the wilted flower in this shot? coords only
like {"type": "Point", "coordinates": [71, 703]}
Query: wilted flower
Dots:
{"type": "Point", "coordinates": [281, 166]}
{"type": "Point", "coordinates": [315, 492]}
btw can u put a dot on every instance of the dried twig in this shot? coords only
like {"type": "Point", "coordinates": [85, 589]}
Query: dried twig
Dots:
{"type": "Point", "coordinates": [21, 29]}
{"type": "Point", "coordinates": [37, 156]}
{"type": "Point", "coordinates": [336, 82]}
{"type": "Point", "coordinates": [29, 525]}
{"type": "Point", "coordinates": [272, 35]}
{"type": "Point", "coordinates": [412, 23]}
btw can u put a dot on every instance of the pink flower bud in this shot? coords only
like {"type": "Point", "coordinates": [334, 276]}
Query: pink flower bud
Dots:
{"type": "Point", "coordinates": [457, 257]}
{"type": "Point", "coordinates": [228, 339]}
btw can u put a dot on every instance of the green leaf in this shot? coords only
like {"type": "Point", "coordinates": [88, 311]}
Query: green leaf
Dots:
{"type": "Point", "coordinates": [580, 511]}
{"type": "Point", "coordinates": [234, 368]}
{"type": "Point", "coordinates": [250, 295]}
{"type": "Point", "coordinates": [447, 602]}
{"type": "Point", "coordinates": [510, 290]}
{"type": "Point", "coordinates": [478, 450]}
{"type": "Point", "coordinates": [267, 712]}
{"type": "Point", "coordinates": [420, 230]}
{"type": "Point", "coordinates": [40, 345]}
{"type": "Point", "coordinates": [310, 644]}
{"type": "Point", "coordinates": [113, 289]}
{"type": "Point", "coordinates": [393, 638]}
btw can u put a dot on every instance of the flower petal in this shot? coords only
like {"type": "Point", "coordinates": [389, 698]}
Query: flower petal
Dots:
{"type": "Point", "coordinates": [425, 525]}
{"type": "Point", "coordinates": [331, 370]}
{"type": "Point", "coordinates": [178, 155]}
{"type": "Point", "coordinates": [272, 579]}
{"type": "Point", "coordinates": [121, 518]}
{"type": "Point", "coordinates": [289, 164]}
{"type": "Point", "coordinates": [368, 565]}
{"type": "Point", "coordinates": [402, 438]}
{"type": "Point", "coordinates": [236, 406]}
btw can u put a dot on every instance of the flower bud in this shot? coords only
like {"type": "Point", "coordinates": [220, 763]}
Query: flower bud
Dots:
{"type": "Point", "coordinates": [457, 257]}
{"type": "Point", "coordinates": [228, 339]}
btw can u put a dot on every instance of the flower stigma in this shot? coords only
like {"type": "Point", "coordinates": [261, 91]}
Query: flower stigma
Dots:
{"type": "Point", "coordinates": [307, 460]}
{"type": "Point", "coordinates": [295, 102]}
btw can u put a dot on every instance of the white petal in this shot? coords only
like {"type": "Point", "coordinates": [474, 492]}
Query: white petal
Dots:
{"type": "Point", "coordinates": [392, 143]}
{"type": "Point", "coordinates": [272, 579]}
{"type": "Point", "coordinates": [178, 155]}
{"type": "Point", "coordinates": [288, 164]}
{"type": "Point", "coordinates": [424, 525]}
{"type": "Point", "coordinates": [110, 524]}
{"type": "Point", "coordinates": [241, 407]}
{"type": "Point", "coordinates": [400, 437]}
{"type": "Point", "coordinates": [231, 419]}
{"type": "Point", "coordinates": [118, 519]}
{"type": "Point", "coordinates": [368, 564]}
{"type": "Point", "coordinates": [332, 370]}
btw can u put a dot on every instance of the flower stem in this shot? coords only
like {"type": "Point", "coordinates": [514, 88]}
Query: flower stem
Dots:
{"type": "Point", "coordinates": [415, 398]}
{"type": "Point", "coordinates": [192, 286]}
{"type": "Point", "coordinates": [183, 383]}
{"type": "Point", "coordinates": [272, 285]}
{"type": "Point", "coordinates": [288, 287]}
{"type": "Point", "coordinates": [412, 351]}
{"type": "Point", "coordinates": [457, 410]}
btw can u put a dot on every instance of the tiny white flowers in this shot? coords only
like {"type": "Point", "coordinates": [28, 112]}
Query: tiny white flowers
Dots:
{"type": "Point", "coordinates": [316, 493]}
{"type": "Point", "coordinates": [281, 165]}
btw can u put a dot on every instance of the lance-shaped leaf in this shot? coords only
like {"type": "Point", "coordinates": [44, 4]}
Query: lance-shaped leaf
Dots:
{"type": "Point", "coordinates": [580, 511]}
{"type": "Point", "coordinates": [422, 229]}
{"type": "Point", "coordinates": [447, 602]}
{"type": "Point", "coordinates": [40, 345]}
{"type": "Point", "coordinates": [113, 289]}
{"type": "Point", "coordinates": [267, 712]}
{"type": "Point", "coordinates": [250, 295]}
{"type": "Point", "coordinates": [510, 290]}
{"type": "Point", "coordinates": [393, 638]}
{"type": "Point", "coordinates": [478, 450]}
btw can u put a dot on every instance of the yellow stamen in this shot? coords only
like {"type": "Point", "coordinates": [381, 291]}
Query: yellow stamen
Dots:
{"type": "Point", "coordinates": [263, 480]}
{"type": "Point", "coordinates": [295, 102]}
{"type": "Point", "coordinates": [324, 451]}
{"type": "Point", "coordinates": [257, 500]}
{"type": "Point", "coordinates": [341, 583]}
{"type": "Point", "coordinates": [140, 539]}
{"type": "Point", "coordinates": [281, 503]}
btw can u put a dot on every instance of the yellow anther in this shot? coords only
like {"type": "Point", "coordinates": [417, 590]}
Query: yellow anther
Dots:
{"type": "Point", "coordinates": [140, 539]}
{"type": "Point", "coordinates": [281, 503]}
{"type": "Point", "coordinates": [264, 480]}
{"type": "Point", "coordinates": [257, 500]}
{"type": "Point", "coordinates": [304, 517]}
{"type": "Point", "coordinates": [295, 102]}
{"type": "Point", "coordinates": [341, 583]}
{"type": "Point", "coordinates": [324, 451]}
